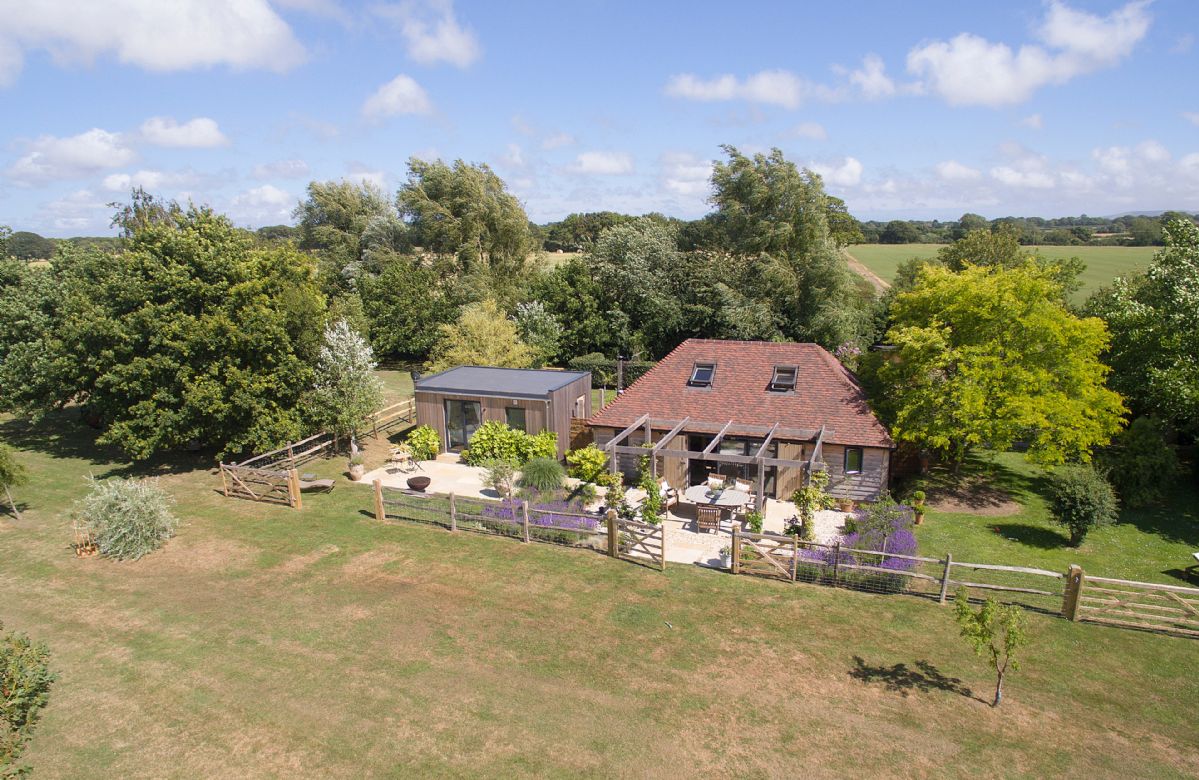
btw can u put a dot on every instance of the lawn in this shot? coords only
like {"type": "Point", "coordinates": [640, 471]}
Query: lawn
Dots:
{"type": "Point", "coordinates": [262, 641]}
{"type": "Point", "coordinates": [1104, 263]}
{"type": "Point", "coordinates": [1152, 544]}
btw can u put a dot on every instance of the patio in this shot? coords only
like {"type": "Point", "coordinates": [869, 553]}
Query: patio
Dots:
{"type": "Point", "coordinates": [684, 544]}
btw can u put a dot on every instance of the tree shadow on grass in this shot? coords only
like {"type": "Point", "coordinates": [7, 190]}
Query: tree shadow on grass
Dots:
{"type": "Point", "coordinates": [1033, 535]}
{"type": "Point", "coordinates": [62, 434]}
{"type": "Point", "coordinates": [923, 677]}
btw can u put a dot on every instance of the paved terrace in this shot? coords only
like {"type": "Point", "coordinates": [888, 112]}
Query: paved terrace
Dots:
{"type": "Point", "coordinates": [683, 543]}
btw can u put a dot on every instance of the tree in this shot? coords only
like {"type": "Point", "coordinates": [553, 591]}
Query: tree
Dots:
{"type": "Point", "coordinates": [127, 518]}
{"type": "Point", "coordinates": [12, 474]}
{"type": "Point", "coordinates": [196, 335]}
{"type": "Point", "coordinates": [843, 228]}
{"type": "Point", "coordinates": [631, 263]}
{"type": "Point", "coordinates": [466, 212]}
{"type": "Point", "coordinates": [1001, 248]}
{"type": "Point", "coordinates": [990, 356]}
{"type": "Point", "coordinates": [775, 216]}
{"type": "Point", "coordinates": [969, 222]}
{"type": "Point", "coordinates": [1080, 498]}
{"type": "Point", "coordinates": [30, 246]}
{"type": "Point", "coordinates": [1154, 321]}
{"type": "Point", "coordinates": [482, 336]}
{"type": "Point", "coordinates": [346, 390]}
{"type": "Point", "coordinates": [572, 295]}
{"type": "Point", "coordinates": [1145, 231]}
{"type": "Point", "coordinates": [405, 304]}
{"type": "Point", "coordinates": [1141, 464]}
{"type": "Point", "coordinates": [540, 330]}
{"type": "Point", "coordinates": [995, 631]}
{"type": "Point", "coordinates": [333, 218]}
{"type": "Point", "coordinates": [897, 231]}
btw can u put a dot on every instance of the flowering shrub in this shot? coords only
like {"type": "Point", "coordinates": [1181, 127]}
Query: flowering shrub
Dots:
{"type": "Point", "coordinates": [884, 526]}
{"type": "Point", "coordinates": [496, 441]}
{"type": "Point", "coordinates": [588, 463]}
{"type": "Point", "coordinates": [550, 520]}
{"type": "Point", "coordinates": [424, 443]}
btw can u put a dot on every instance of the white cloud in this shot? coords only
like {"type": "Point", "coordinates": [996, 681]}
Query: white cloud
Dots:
{"type": "Point", "coordinates": [603, 163]}
{"type": "Point", "coordinates": [78, 213]}
{"type": "Point", "coordinates": [952, 170]}
{"type": "Point", "coordinates": [685, 174]}
{"type": "Point", "coordinates": [847, 174]}
{"type": "Point", "coordinates": [362, 174]}
{"type": "Point", "coordinates": [281, 169]}
{"type": "Point", "coordinates": [1191, 116]}
{"type": "Point", "coordinates": [433, 33]}
{"type": "Point", "coordinates": [150, 180]}
{"type": "Point", "coordinates": [49, 157]}
{"type": "Point", "coordinates": [150, 34]}
{"type": "Point", "coordinates": [1014, 178]}
{"type": "Point", "coordinates": [970, 70]}
{"type": "Point", "coordinates": [773, 87]}
{"type": "Point", "coordinates": [557, 141]}
{"type": "Point", "coordinates": [872, 78]}
{"type": "Point", "coordinates": [813, 130]}
{"type": "Point", "coordinates": [514, 157]}
{"type": "Point", "coordinates": [401, 95]}
{"type": "Point", "coordinates": [198, 133]}
{"type": "Point", "coordinates": [262, 206]}
{"type": "Point", "coordinates": [1034, 121]}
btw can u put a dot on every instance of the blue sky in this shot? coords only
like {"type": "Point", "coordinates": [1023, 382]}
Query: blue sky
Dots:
{"type": "Point", "coordinates": [913, 110]}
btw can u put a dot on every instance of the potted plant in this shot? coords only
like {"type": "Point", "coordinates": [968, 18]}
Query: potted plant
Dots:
{"type": "Point", "coordinates": [357, 469]}
{"type": "Point", "coordinates": [845, 504]}
{"type": "Point", "coordinates": [726, 557]}
{"type": "Point", "coordinates": [918, 506]}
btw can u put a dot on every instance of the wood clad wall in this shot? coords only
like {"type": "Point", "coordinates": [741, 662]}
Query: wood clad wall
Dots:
{"type": "Point", "coordinates": [430, 410]}
{"type": "Point", "coordinates": [562, 409]}
{"type": "Point", "coordinates": [868, 485]}
{"type": "Point", "coordinates": [789, 479]}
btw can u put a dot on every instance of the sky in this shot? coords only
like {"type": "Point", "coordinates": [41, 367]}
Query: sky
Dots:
{"type": "Point", "coordinates": [907, 110]}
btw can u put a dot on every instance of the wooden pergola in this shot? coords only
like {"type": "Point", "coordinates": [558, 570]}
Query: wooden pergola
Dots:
{"type": "Point", "coordinates": [661, 448]}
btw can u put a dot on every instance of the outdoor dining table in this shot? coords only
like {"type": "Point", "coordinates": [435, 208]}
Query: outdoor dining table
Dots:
{"type": "Point", "coordinates": [727, 498]}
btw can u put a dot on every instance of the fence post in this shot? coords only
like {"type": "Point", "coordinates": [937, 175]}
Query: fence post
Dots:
{"type": "Point", "coordinates": [613, 535]}
{"type": "Point", "coordinates": [525, 510]}
{"type": "Point", "coordinates": [1070, 600]}
{"type": "Point", "coordinates": [293, 488]}
{"type": "Point", "coordinates": [380, 515]}
{"type": "Point", "coordinates": [224, 480]}
{"type": "Point", "coordinates": [662, 530]}
{"type": "Point", "coordinates": [945, 576]}
{"type": "Point", "coordinates": [794, 557]}
{"type": "Point", "coordinates": [736, 549]}
{"type": "Point", "coordinates": [836, 559]}
{"type": "Point", "coordinates": [291, 456]}
{"type": "Point", "coordinates": [453, 514]}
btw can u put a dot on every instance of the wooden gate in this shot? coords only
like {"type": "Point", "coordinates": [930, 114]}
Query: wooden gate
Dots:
{"type": "Point", "coordinates": [767, 555]}
{"type": "Point", "coordinates": [1173, 609]}
{"type": "Point", "coordinates": [633, 540]}
{"type": "Point", "coordinates": [276, 487]}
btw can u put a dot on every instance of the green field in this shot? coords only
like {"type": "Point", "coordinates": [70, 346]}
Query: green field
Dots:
{"type": "Point", "coordinates": [262, 641]}
{"type": "Point", "coordinates": [1104, 263]}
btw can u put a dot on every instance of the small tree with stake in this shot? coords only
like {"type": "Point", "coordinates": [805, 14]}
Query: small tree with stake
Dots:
{"type": "Point", "coordinates": [995, 631]}
{"type": "Point", "coordinates": [12, 474]}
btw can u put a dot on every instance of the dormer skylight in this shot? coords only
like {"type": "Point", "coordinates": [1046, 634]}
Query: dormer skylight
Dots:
{"type": "Point", "coordinates": [783, 380]}
{"type": "Point", "coordinates": [702, 375]}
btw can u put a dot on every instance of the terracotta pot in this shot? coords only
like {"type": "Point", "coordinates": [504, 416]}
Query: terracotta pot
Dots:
{"type": "Point", "coordinates": [357, 471]}
{"type": "Point", "coordinates": [845, 504]}
{"type": "Point", "coordinates": [919, 517]}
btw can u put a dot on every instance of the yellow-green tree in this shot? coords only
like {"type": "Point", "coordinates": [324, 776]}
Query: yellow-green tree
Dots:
{"type": "Point", "coordinates": [482, 336]}
{"type": "Point", "coordinates": [991, 356]}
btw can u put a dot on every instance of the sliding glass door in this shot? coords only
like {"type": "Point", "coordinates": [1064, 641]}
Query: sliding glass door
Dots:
{"type": "Point", "coordinates": [462, 419]}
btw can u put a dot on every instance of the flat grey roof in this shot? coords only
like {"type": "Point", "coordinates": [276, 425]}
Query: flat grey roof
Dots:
{"type": "Point", "coordinates": [508, 382]}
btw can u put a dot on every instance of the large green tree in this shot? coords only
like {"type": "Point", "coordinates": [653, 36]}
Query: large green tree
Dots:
{"type": "Point", "coordinates": [24, 245]}
{"type": "Point", "coordinates": [1154, 320]}
{"type": "Point", "coordinates": [333, 218]}
{"type": "Point", "coordinates": [482, 336]}
{"type": "Point", "coordinates": [405, 304]}
{"type": "Point", "coordinates": [193, 334]}
{"type": "Point", "coordinates": [776, 215]}
{"type": "Point", "coordinates": [466, 212]}
{"type": "Point", "coordinates": [991, 356]}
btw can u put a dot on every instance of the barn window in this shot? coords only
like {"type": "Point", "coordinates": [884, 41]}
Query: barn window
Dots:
{"type": "Point", "coordinates": [702, 375]}
{"type": "Point", "coordinates": [853, 460]}
{"type": "Point", "coordinates": [783, 379]}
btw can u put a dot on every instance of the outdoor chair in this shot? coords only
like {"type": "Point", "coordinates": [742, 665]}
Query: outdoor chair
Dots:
{"type": "Point", "coordinates": [743, 486]}
{"type": "Point", "coordinates": [707, 518]}
{"type": "Point", "coordinates": [670, 496]}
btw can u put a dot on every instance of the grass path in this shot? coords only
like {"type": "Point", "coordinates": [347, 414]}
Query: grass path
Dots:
{"type": "Point", "coordinates": [263, 642]}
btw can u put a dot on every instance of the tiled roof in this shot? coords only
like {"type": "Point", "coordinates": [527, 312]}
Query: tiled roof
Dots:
{"type": "Point", "coordinates": [825, 392]}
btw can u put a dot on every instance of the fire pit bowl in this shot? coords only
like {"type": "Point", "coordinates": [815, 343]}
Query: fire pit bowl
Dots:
{"type": "Point", "coordinates": [419, 483]}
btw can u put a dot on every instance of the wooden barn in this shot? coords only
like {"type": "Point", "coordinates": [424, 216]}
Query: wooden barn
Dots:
{"type": "Point", "coordinates": [457, 401]}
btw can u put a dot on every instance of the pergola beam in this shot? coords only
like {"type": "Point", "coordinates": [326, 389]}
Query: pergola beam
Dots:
{"type": "Point", "coordinates": [719, 438]}
{"type": "Point", "coordinates": [668, 437]}
{"type": "Point", "coordinates": [766, 442]}
{"type": "Point", "coordinates": [625, 433]}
